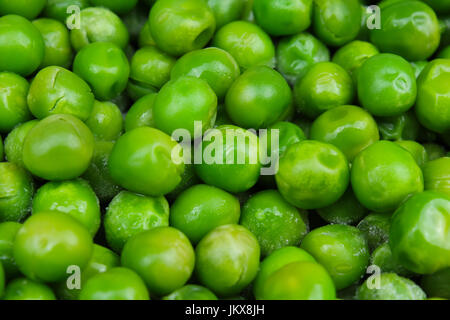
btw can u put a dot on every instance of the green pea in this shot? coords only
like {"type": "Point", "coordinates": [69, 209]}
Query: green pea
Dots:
{"type": "Point", "coordinates": [8, 231]}
{"type": "Point", "coordinates": [16, 191]}
{"type": "Point", "coordinates": [437, 284]}
{"type": "Point", "coordinates": [434, 151]}
{"type": "Point", "coordinates": [180, 26]}
{"type": "Point", "coordinates": [416, 149]}
{"type": "Point", "coordinates": [13, 100]}
{"type": "Point", "coordinates": [141, 113]}
{"type": "Point", "coordinates": [118, 6]}
{"type": "Point", "coordinates": [104, 67]}
{"type": "Point", "coordinates": [55, 90]}
{"type": "Point", "coordinates": [247, 43]}
{"type": "Point", "coordinates": [375, 228]}
{"type": "Point", "coordinates": [145, 36]}
{"type": "Point", "coordinates": [436, 174]}
{"type": "Point", "coordinates": [59, 147]}
{"type": "Point", "coordinates": [191, 292]}
{"type": "Point", "coordinates": [402, 127]}
{"type": "Point", "coordinates": [26, 289]}
{"type": "Point", "coordinates": [231, 251]}
{"type": "Point", "coordinates": [226, 11]}
{"type": "Point", "coordinates": [288, 134]}
{"type": "Point", "coordinates": [67, 243]}
{"type": "Point", "coordinates": [24, 8]}
{"type": "Point", "coordinates": [163, 257]}
{"type": "Point", "coordinates": [57, 9]}
{"type": "Point", "coordinates": [105, 121]}
{"type": "Point", "coordinates": [115, 284]}
{"type": "Point", "coordinates": [382, 257]}
{"type": "Point", "coordinates": [392, 287]}
{"type": "Point", "coordinates": [418, 67]}
{"type": "Point", "coordinates": [136, 91]}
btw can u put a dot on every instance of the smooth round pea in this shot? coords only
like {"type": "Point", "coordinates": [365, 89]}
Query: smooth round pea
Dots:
{"type": "Point", "coordinates": [341, 249]}
{"type": "Point", "coordinates": [130, 213]}
{"type": "Point", "coordinates": [180, 26]}
{"type": "Point", "coordinates": [105, 121]}
{"type": "Point", "coordinates": [67, 242]}
{"type": "Point", "coordinates": [383, 175]}
{"type": "Point", "coordinates": [141, 113]}
{"type": "Point", "coordinates": [349, 128]}
{"type": "Point", "coordinates": [104, 67]}
{"type": "Point", "coordinates": [26, 289]}
{"type": "Point", "coordinates": [375, 228]}
{"type": "Point", "coordinates": [55, 90]}
{"type": "Point", "coordinates": [99, 25]}
{"type": "Point", "coordinates": [258, 98]}
{"type": "Point", "coordinates": [59, 147]}
{"type": "Point", "coordinates": [247, 43]}
{"type": "Point", "coordinates": [382, 257]}
{"type": "Point", "coordinates": [231, 251]}
{"type": "Point", "coordinates": [13, 101]}
{"type": "Point", "coordinates": [22, 8]}
{"type": "Point", "coordinates": [163, 257]}
{"type": "Point", "coordinates": [115, 284]}
{"type": "Point", "coordinates": [73, 197]}
{"type": "Point", "coordinates": [58, 50]}
{"type": "Point", "coordinates": [8, 231]}
{"type": "Point", "coordinates": [295, 54]}
{"type": "Point", "coordinates": [191, 292]}
{"type": "Point", "coordinates": [437, 284]}
{"type": "Point", "coordinates": [392, 287]}
{"type": "Point", "coordinates": [21, 45]}
{"type": "Point", "coordinates": [118, 6]}
{"type": "Point", "coordinates": [312, 174]}
{"type": "Point", "coordinates": [283, 18]}
{"type": "Point", "coordinates": [402, 127]}
{"type": "Point", "coordinates": [416, 149]}
{"type": "Point", "coordinates": [16, 191]}
{"type": "Point", "coordinates": [418, 235]}
{"type": "Point", "coordinates": [57, 9]}
{"type": "Point", "coordinates": [386, 85]}
{"type": "Point", "coordinates": [226, 11]}
{"type": "Point", "coordinates": [326, 85]}
{"type": "Point", "coordinates": [182, 102]}
{"type": "Point", "coordinates": [436, 175]}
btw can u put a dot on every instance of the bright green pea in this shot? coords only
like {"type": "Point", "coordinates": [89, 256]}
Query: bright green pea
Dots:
{"type": "Point", "coordinates": [99, 25]}
{"type": "Point", "coordinates": [16, 191]}
{"type": "Point", "coordinates": [383, 175]}
{"type": "Point", "coordinates": [418, 236]}
{"type": "Point", "coordinates": [73, 197]}
{"type": "Point", "coordinates": [55, 90]}
{"type": "Point", "coordinates": [295, 54]}
{"type": "Point", "coordinates": [382, 257]}
{"type": "Point", "coordinates": [13, 101]}
{"type": "Point", "coordinates": [216, 66]}
{"type": "Point", "coordinates": [105, 121]}
{"type": "Point", "coordinates": [180, 26]}
{"type": "Point", "coordinates": [416, 149]}
{"type": "Point", "coordinates": [67, 242]}
{"type": "Point", "coordinates": [326, 85]}
{"type": "Point", "coordinates": [283, 18]}
{"type": "Point", "coordinates": [247, 43]}
{"type": "Point", "coordinates": [26, 289]}
{"type": "Point", "coordinates": [392, 287]}
{"type": "Point", "coordinates": [436, 174]}
{"type": "Point", "coordinates": [58, 50]}
{"type": "Point", "coordinates": [59, 147]}
{"type": "Point", "coordinates": [231, 251]}
{"type": "Point", "coordinates": [337, 22]}
{"type": "Point", "coordinates": [130, 213]}
{"type": "Point", "coordinates": [402, 127]}
{"type": "Point", "coordinates": [437, 284]}
{"type": "Point", "coordinates": [191, 292]}
{"type": "Point", "coordinates": [115, 284]}
{"type": "Point", "coordinates": [375, 228]}
{"type": "Point", "coordinates": [341, 249]}
{"type": "Point", "coordinates": [8, 231]}
{"type": "Point", "coordinates": [57, 9]}
{"type": "Point", "coordinates": [136, 91]}
{"type": "Point", "coordinates": [24, 8]}
{"type": "Point", "coordinates": [163, 257]}
{"type": "Point", "coordinates": [104, 67]}
{"type": "Point", "coordinates": [118, 6]}
{"type": "Point", "coordinates": [288, 134]}
{"type": "Point", "coordinates": [226, 11]}
{"type": "Point", "coordinates": [141, 113]}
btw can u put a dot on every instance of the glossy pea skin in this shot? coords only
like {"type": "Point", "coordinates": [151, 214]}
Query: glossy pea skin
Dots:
{"type": "Point", "coordinates": [68, 243]}
{"type": "Point", "coordinates": [8, 231]}
{"type": "Point", "coordinates": [409, 29]}
{"type": "Point", "coordinates": [163, 257]}
{"type": "Point", "coordinates": [118, 6]}
{"type": "Point", "coordinates": [99, 25]}
{"type": "Point", "coordinates": [326, 85]}
{"type": "Point", "coordinates": [402, 127]}
{"type": "Point", "coordinates": [13, 101]}
{"type": "Point", "coordinates": [59, 147]}
{"type": "Point", "coordinates": [105, 121]}
{"type": "Point", "coordinates": [115, 284]}
{"type": "Point", "coordinates": [73, 197]}
{"type": "Point", "coordinates": [392, 287]}
{"type": "Point", "coordinates": [273, 221]}
{"type": "Point", "coordinates": [231, 251]}
{"type": "Point", "coordinates": [180, 26]}
{"type": "Point", "coordinates": [141, 113]}
{"type": "Point", "coordinates": [26, 289]}
{"type": "Point", "coordinates": [247, 43]}
{"type": "Point", "coordinates": [226, 11]}
{"type": "Point", "coordinates": [349, 128]}
{"type": "Point", "coordinates": [216, 66]}
{"type": "Point", "coordinates": [283, 18]}
{"type": "Point", "coordinates": [130, 213]}
{"type": "Point", "coordinates": [104, 67]}
{"type": "Point", "coordinates": [288, 134]}
{"type": "Point", "coordinates": [341, 249]}
{"type": "Point", "coordinates": [433, 96]}
{"type": "Point", "coordinates": [191, 292]}
{"type": "Point", "coordinates": [58, 50]}
{"type": "Point", "coordinates": [296, 53]}
{"type": "Point", "coordinates": [16, 191]}
{"type": "Point", "coordinates": [258, 98]}
{"type": "Point", "coordinates": [383, 175]}
{"type": "Point", "coordinates": [232, 166]}
{"type": "Point", "coordinates": [436, 174]}
{"type": "Point", "coordinates": [312, 174]}
{"type": "Point", "coordinates": [145, 36]}
{"type": "Point", "coordinates": [418, 236]}
{"type": "Point", "coordinates": [24, 8]}
{"type": "Point", "coordinates": [375, 228]}
{"type": "Point", "coordinates": [55, 90]}
{"type": "Point", "coordinates": [337, 22]}
{"type": "Point", "coordinates": [57, 9]}
{"type": "Point", "coordinates": [141, 161]}
{"type": "Point", "coordinates": [437, 284]}
{"type": "Point", "coordinates": [416, 149]}
{"type": "Point", "coordinates": [386, 85]}
{"type": "Point", "coordinates": [383, 258]}
{"type": "Point", "coordinates": [202, 208]}
{"type": "Point", "coordinates": [183, 101]}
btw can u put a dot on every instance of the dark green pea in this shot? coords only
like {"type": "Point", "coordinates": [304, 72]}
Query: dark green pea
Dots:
{"type": "Point", "coordinates": [444, 53]}
{"type": "Point", "coordinates": [57, 9]}
{"type": "Point", "coordinates": [105, 121]}
{"type": "Point", "coordinates": [434, 151]}
{"type": "Point", "coordinates": [136, 91]}
{"type": "Point", "coordinates": [8, 231]}
{"type": "Point", "coordinates": [392, 287]}
{"type": "Point", "coordinates": [145, 36]}
{"type": "Point", "coordinates": [24, 8]}
{"type": "Point", "coordinates": [226, 11]}
{"type": "Point", "coordinates": [118, 6]}
{"type": "Point", "coordinates": [402, 127]}
{"type": "Point", "coordinates": [26, 289]}
{"type": "Point", "coordinates": [416, 149]}
{"type": "Point", "coordinates": [437, 284]}
{"type": "Point", "coordinates": [375, 228]}
{"type": "Point", "coordinates": [436, 174]}
{"type": "Point", "coordinates": [191, 292]}
{"type": "Point", "coordinates": [141, 113]}
{"type": "Point", "coordinates": [188, 179]}
{"type": "Point", "coordinates": [382, 257]}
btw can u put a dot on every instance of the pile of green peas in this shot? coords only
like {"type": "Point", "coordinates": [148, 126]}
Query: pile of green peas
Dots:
{"type": "Point", "coordinates": [93, 205]}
